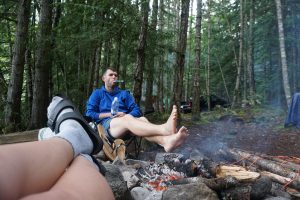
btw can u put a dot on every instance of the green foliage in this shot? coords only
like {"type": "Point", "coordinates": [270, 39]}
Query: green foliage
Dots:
{"type": "Point", "coordinates": [84, 26]}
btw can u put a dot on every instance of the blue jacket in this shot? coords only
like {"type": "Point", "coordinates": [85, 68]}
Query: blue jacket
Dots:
{"type": "Point", "coordinates": [100, 102]}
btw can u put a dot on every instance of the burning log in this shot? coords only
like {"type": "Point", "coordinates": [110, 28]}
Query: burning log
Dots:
{"type": "Point", "coordinates": [240, 173]}
{"type": "Point", "coordinates": [268, 165]}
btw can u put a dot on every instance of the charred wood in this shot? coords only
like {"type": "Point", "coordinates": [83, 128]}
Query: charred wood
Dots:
{"type": "Point", "coordinates": [221, 170]}
{"type": "Point", "coordinates": [232, 188]}
{"type": "Point", "coordinates": [216, 184]}
{"type": "Point", "coordinates": [258, 189]}
{"type": "Point", "coordinates": [237, 193]}
{"type": "Point", "coordinates": [267, 165]}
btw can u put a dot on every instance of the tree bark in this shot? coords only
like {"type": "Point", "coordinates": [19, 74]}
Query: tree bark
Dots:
{"type": "Point", "coordinates": [180, 53]}
{"type": "Point", "coordinates": [138, 75]}
{"type": "Point", "coordinates": [91, 72]}
{"type": "Point", "coordinates": [29, 85]}
{"type": "Point", "coordinates": [13, 106]}
{"type": "Point", "coordinates": [284, 66]}
{"type": "Point", "coordinates": [44, 62]}
{"type": "Point", "coordinates": [237, 91]}
{"type": "Point", "coordinates": [208, 57]}
{"type": "Point", "coordinates": [152, 55]}
{"type": "Point", "coordinates": [188, 79]}
{"type": "Point", "coordinates": [196, 70]}
{"type": "Point", "coordinates": [250, 54]}
{"type": "Point", "coordinates": [97, 66]}
{"type": "Point", "coordinates": [161, 64]}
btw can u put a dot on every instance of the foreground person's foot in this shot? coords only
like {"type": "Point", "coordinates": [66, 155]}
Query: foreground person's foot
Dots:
{"type": "Point", "coordinates": [175, 140]}
{"type": "Point", "coordinates": [171, 124]}
{"type": "Point", "coordinates": [68, 123]}
{"type": "Point", "coordinates": [45, 133]}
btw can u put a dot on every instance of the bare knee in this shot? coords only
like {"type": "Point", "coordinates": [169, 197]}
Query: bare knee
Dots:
{"type": "Point", "coordinates": [129, 117]}
{"type": "Point", "coordinates": [144, 119]}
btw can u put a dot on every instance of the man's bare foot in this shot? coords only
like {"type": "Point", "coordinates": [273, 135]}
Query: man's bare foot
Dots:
{"type": "Point", "coordinates": [175, 140]}
{"type": "Point", "coordinates": [171, 124]}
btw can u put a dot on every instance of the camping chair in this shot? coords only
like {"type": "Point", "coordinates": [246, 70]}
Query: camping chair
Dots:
{"type": "Point", "coordinates": [116, 148]}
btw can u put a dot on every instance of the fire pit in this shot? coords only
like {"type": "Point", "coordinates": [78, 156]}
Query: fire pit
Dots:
{"type": "Point", "coordinates": [174, 176]}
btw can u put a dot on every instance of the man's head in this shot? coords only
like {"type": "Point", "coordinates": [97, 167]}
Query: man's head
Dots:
{"type": "Point", "coordinates": [109, 77]}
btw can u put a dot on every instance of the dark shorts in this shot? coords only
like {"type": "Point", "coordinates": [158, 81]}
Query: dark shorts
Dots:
{"type": "Point", "coordinates": [106, 126]}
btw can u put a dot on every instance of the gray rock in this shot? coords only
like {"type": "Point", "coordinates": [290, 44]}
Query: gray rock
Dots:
{"type": "Point", "coordinates": [155, 195]}
{"type": "Point", "coordinates": [139, 193]}
{"type": "Point", "coordinates": [131, 179]}
{"type": "Point", "coordinates": [190, 192]}
{"type": "Point", "coordinates": [116, 181]}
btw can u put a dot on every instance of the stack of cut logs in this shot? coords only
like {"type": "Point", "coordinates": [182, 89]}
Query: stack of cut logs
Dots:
{"type": "Point", "coordinates": [250, 167]}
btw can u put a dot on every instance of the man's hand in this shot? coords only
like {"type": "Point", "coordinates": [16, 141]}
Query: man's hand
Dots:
{"type": "Point", "coordinates": [120, 114]}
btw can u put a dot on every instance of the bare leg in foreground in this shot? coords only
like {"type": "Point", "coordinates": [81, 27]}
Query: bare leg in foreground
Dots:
{"type": "Point", "coordinates": [80, 181]}
{"type": "Point", "coordinates": [35, 167]}
{"type": "Point", "coordinates": [32, 167]}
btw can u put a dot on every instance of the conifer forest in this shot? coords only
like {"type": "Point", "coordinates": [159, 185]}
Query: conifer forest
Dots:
{"type": "Point", "coordinates": [165, 51]}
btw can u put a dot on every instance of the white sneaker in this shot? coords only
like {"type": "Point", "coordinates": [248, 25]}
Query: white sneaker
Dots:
{"type": "Point", "coordinates": [45, 133]}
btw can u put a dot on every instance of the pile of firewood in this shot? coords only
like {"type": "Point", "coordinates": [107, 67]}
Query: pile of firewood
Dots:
{"type": "Point", "coordinates": [282, 170]}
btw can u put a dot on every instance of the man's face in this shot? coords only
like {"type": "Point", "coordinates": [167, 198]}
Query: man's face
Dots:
{"type": "Point", "coordinates": [110, 77]}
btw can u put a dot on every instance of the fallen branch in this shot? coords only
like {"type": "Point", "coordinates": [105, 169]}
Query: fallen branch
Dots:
{"type": "Point", "coordinates": [276, 178]}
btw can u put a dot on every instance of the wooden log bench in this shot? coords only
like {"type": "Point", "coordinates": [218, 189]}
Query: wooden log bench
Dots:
{"type": "Point", "coordinates": [25, 136]}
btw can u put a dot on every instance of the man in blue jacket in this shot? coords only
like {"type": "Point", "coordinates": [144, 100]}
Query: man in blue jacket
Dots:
{"type": "Point", "coordinates": [129, 119]}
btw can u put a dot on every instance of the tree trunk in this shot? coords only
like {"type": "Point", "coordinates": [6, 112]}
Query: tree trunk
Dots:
{"type": "Point", "coordinates": [284, 66]}
{"type": "Point", "coordinates": [161, 65]}
{"type": "Point", "coordinates": [250, 54]}
{"type": "Point", "coordinates": [97, 66]}
{"type": "Point", "coordinates": [180, 53]}
{"type": "Point", "coordinates": [208, 57]}
{"type": "Point", "coordinates": [152, 55]}
{"type": "Point", "coordinates": [91, 72]}
{"type": "Point", "coordinates": [138, 75]}
{"type": "Point", "coordinates": [118, 50]}
{"type": "Point", "coordinates": [13, 106]}
{"type": "Point", "coordinates": [196, 71]}
{"type": "Point", "coordinates": [245, 59]}
{"type": "Point", "coordinates": [188, 88]}
{"type": "Point", "coordinates": [29, 84]}
{"type": "Point", "coordinates": [106, 57]}
{"type": "Point", "coordinates": [97, 77]}
{"type": "Point", "coordinates": [56, 18]}
{"type": "Point", "coordinates": [237, 91]}
{"type": "Point", "coordinates": [41, 81]}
